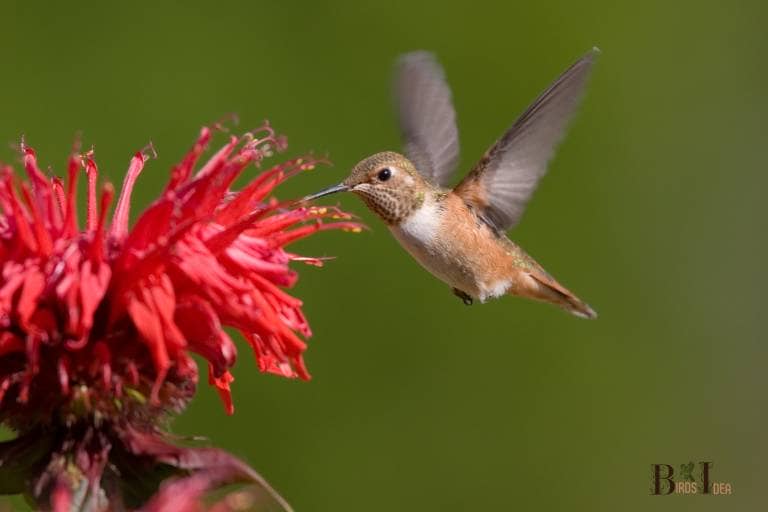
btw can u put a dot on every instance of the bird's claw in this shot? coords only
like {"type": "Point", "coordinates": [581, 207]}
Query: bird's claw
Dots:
{"type": "Point", "coordinates": [463, 296]}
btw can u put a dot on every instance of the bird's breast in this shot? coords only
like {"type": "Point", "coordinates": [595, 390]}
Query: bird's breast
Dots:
{"type": "Point", "coordinates": [421, 227]}
{"type": "Point", "coordinates": [420, 234]}
{"type": "Point", "coordinates": [446, 239]}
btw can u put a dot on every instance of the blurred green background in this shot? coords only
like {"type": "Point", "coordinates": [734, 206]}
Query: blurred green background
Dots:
{"type": "Point", "coordinates": [653, 211]}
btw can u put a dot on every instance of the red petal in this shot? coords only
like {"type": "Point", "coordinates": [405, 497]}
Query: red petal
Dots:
{"type": "Point", "coordinates": [119, 227]}
{"type": "Point", "coordinates": [202, 329]}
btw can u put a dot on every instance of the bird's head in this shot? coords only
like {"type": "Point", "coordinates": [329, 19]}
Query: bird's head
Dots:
{"type": "Point", "coordinates": [389, 184]}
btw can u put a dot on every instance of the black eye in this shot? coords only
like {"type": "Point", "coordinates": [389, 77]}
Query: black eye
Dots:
{"type": "Point", "coordinates": [385, 174]}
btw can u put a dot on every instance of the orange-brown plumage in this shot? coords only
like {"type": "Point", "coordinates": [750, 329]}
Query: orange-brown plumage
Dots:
{"type": "Point", "coordinates": [474, 259]}
{"type": "Point", "coordinates": [459, 235]}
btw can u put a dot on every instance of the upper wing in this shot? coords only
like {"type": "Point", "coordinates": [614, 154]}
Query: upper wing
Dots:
{"type": "Point", "coordinates": [502, 182]}
{"type": "Point", "coordinates": [427, 118]}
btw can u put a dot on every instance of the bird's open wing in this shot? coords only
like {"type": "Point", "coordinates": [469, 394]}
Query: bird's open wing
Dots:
{"type": "Point", "coordinates": [426, 115]}
{"type": "Point", "coordinates": [502, 182]}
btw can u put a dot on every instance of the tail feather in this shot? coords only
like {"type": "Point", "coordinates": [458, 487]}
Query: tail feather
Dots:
{"type": "Point", "coordinates": [547, 289]}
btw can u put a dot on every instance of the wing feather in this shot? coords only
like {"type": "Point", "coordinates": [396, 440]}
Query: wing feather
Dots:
{"type": "Point", "coordinates": [503, 181]}
{"type": "Point", "coordinates": [426, 115]}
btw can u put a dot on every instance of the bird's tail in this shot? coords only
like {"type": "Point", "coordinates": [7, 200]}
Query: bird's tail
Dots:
{"type": "Point", "coordinates": [543, 287]}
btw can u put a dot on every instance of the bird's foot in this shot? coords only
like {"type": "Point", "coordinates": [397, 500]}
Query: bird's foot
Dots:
{"type": "Point", "coordinates": [463, 296]}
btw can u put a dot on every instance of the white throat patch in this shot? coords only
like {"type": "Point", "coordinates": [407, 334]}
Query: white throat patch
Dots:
{"type": "Point", "coordinates": [422, 224]}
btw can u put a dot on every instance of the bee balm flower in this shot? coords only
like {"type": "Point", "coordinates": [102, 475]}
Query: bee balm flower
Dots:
{"type": "Point", "coordinates": [98, 323]}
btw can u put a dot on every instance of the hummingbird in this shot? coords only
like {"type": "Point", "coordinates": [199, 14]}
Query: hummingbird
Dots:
{"type": "Point", "coordinates": [459, 234]}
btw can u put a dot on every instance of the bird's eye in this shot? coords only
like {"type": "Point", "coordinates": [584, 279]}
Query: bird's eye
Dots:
{"type": "Point", "coordinates": [385, 174]}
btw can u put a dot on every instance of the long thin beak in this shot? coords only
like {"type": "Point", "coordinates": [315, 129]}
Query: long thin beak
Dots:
{"type": "Point", "coordinates": [341, 187]}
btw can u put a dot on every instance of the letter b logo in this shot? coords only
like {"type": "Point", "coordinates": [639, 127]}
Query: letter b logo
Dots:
{"type": "Point", "coordinates": [659, 473]}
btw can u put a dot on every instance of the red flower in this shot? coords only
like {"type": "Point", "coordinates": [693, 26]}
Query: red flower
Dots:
{"type": "Point", "coordinates": [97, 324]}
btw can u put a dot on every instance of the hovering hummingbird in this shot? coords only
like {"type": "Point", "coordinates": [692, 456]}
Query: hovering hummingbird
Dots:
{"type": "Point", "coordinates": [458, 234]}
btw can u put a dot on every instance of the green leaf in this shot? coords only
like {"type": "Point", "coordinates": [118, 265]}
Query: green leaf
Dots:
{"type": "Point", "coordinates": [21, 459]}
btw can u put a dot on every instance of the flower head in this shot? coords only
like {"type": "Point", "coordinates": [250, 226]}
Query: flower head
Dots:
{"type": "Point", "coordinates": [97, 324]}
